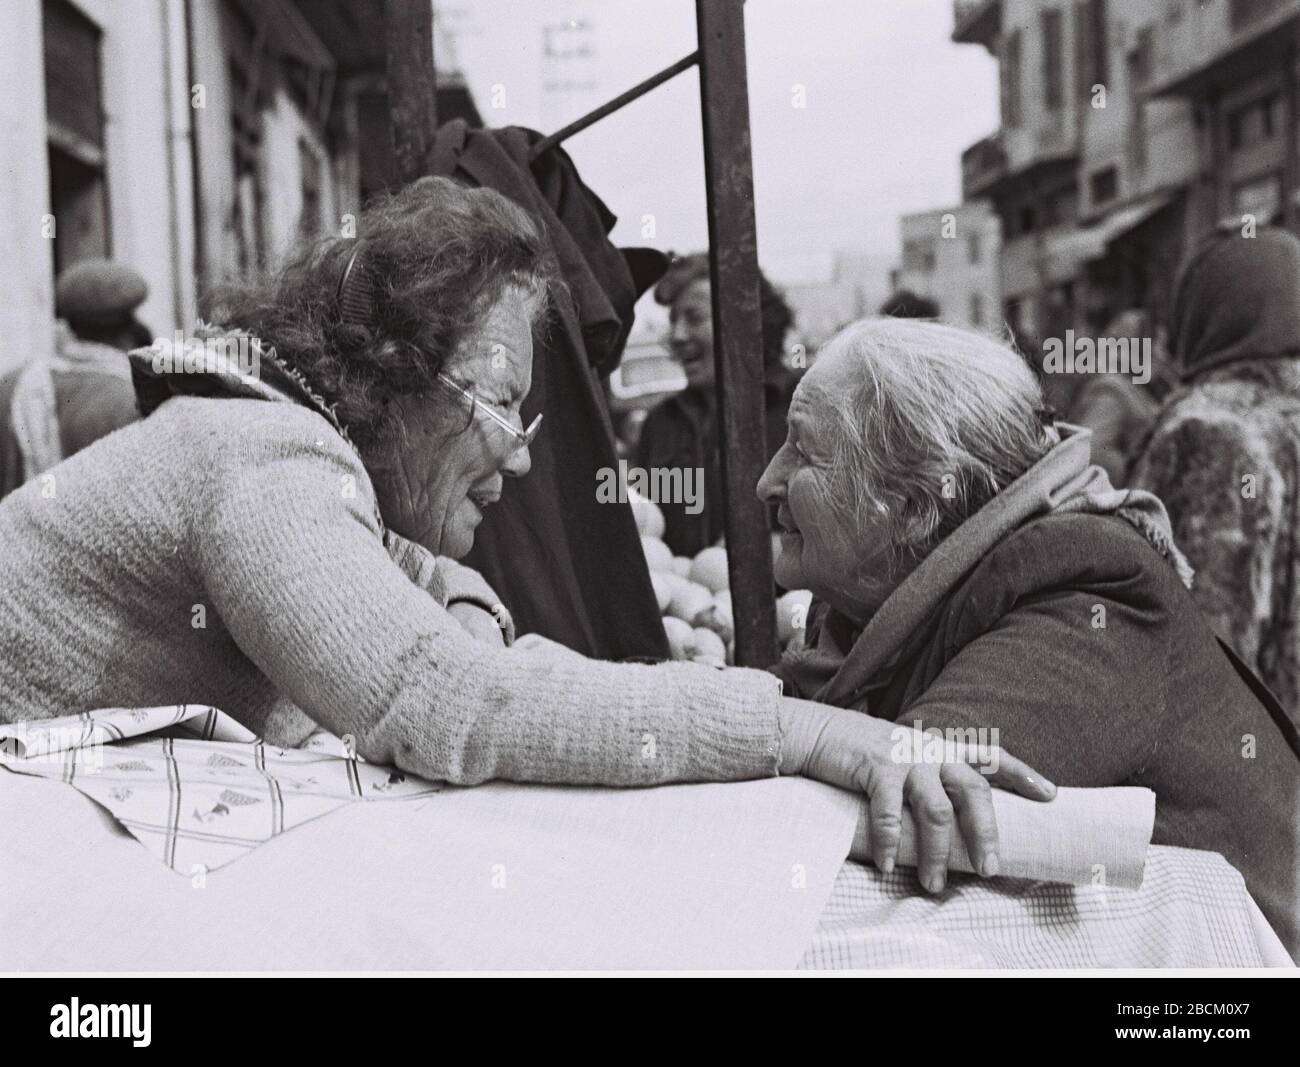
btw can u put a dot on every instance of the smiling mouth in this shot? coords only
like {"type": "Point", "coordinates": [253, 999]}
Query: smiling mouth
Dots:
{"type": "Point", "coordinates": [688, 360]}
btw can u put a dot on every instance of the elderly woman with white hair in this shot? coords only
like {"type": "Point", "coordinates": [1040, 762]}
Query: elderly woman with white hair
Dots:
{"type": "Point", "coordinates": [973, 569]}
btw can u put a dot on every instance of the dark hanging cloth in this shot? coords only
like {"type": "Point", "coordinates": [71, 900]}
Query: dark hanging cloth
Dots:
{"type": "Point", "coordinates": [569, 567]}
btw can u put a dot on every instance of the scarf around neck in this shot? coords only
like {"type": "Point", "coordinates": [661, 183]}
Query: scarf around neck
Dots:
{"type": "Point", "coordinates": [843, 660]}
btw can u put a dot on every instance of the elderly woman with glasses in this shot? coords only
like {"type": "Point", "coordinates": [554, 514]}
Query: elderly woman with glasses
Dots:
{"type": "Point", "coordinates": [975, 573]}
{"type": "Point", "coordinates": [277, 537]}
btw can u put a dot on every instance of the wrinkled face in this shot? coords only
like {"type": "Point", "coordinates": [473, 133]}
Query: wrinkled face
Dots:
{"type": "Point", "coordinates": [690, 337]}
{"type": "Point", "coordinates": [451, 467]}
{"type": "Point", "coordinates": [825, 545]}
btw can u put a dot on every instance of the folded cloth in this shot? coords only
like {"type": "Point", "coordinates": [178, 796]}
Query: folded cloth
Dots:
{"type": "Point", "coordinates": [199, 790]}
{"type": "Point", "coordinates": [1082, 837]}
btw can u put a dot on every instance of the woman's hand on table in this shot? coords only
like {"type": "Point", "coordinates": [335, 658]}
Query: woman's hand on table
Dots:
{"type": "Point", "coordinates": [856, 751]}
{"type": "Point", "coordinates": [480, 624]}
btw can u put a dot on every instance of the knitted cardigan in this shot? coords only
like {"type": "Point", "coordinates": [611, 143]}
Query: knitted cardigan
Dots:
{"type": "Point", "coordinates": [228, 552]}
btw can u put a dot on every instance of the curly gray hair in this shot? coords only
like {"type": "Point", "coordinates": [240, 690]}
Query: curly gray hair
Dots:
{"type": "Point", "coordinates": [944, 419]}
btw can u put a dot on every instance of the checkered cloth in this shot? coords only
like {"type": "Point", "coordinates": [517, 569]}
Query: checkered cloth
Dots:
{"type": "Point", "coordinates": [1191, 911]}
{"type": "Point", "coordinates": [201, 790]}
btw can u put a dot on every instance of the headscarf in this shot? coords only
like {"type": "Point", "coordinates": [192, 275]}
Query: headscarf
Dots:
{"type": "Point", "coordinates": [1238, 298]}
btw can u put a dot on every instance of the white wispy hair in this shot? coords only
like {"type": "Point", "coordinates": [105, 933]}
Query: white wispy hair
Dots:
{"type": "Point", "coordinates": [943, 419]}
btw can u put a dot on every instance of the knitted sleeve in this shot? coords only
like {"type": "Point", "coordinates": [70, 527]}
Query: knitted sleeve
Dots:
{"type": "Point", "coordinates": [447, 581]}
{"type": "Point", "coordinates": [289, 550]}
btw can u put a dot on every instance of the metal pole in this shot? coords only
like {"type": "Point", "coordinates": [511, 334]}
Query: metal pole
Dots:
{"type": "Point", "coordinates": [622, 100]}
{"type": "Point", "coordinates": [737, 325]}
{"type": "Point", "coordinates": [410, 82]}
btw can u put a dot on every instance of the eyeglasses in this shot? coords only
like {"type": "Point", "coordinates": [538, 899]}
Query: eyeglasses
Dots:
{"type": "Point", "coordinates": [522, 438]}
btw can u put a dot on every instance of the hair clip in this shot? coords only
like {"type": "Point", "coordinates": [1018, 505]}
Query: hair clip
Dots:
{"type": "Point", "coordinates": [356, 294]}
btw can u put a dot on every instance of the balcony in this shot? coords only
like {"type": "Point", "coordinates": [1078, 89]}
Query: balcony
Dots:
{"type": "Point", "coordinates": [1223, 44]}
{"type": "Point", "coordinates": [983, 164]}
{"type": "Point", "coordinates": [977, 22]}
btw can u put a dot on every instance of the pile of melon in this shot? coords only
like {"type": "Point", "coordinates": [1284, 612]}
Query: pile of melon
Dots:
{"type": "Point", "coordinates": [694, 596]}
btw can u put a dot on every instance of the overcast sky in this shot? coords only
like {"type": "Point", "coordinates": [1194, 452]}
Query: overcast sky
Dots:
{"type": "Point", "coordinates": [890, 104]}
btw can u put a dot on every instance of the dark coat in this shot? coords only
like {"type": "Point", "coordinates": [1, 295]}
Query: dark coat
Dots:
{"type": "Point", "coordinates": [568, 566]}
{"type": "Point", "coordinates": [1150, 699]}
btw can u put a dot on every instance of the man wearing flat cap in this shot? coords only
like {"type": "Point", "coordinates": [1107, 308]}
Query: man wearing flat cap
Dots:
{"type": "Point", "coordinates": [53, 408]}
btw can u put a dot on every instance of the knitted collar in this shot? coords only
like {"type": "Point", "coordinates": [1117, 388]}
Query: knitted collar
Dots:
{"type": "Point", "coordinates": [205, 357]}
{"type": "Point", "coordinates": [202, 365]}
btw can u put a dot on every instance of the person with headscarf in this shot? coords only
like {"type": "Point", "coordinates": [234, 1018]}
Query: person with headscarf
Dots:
{"type": "Point", "coordinates": [683, 431]}
{"type": "Point", "coordinates": [54, 407]}
{"type": "Point", "coordinates": [1224, 454]}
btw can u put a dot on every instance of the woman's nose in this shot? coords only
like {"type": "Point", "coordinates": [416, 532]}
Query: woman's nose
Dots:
{"type": "Point", "coordinates": [519, 463]}
{"type": "Point", "coordinates": [771, 486]}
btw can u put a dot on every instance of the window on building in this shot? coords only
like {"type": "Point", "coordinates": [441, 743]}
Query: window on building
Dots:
{"type": "Point", "coordinates": [1061, 205]}
{"type": "Point", "coordinates": [1271, 115]}
{"type": "Point", "coordinates": [1253, 123]}
{"type": "Point", "coordinates": [1100, 53]}
{"type": "Point", "coordinates": [918, 256]}
{"type": "Point", "coordinates": [1103, 186]}
{"type": "Point", "coordinates": [310, 167]}
{"type": "Point", "coordinates": [249, 222]}
{"type": "Point", "coordinates": [249, 97]}
{"type": "Point", "coordinates": [1091, 62]}
{"type": "Point", "coordinates": [1050, 21]}
{"type": "Point", "coordinates": [1141, 61]}
{"type": "Point", "coordinates": [1142, 58]}
{"type": "Point", "coordinates": [974, 247]}
{"type": "Point", "coordinates": [1011, 80]}
{"type": "Point", "coordinates": [1243, 13]}
{"type": "Point", "coordinates": [75, 134]}
{"type": "Point", "coordinates": [1261, 197]}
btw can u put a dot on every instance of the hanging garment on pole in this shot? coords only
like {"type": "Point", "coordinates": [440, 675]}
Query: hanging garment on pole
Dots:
{"type": "Point", "coordinates": [568, 566]}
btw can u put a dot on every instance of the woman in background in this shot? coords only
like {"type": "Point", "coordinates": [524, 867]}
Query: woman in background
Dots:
{"type": "Point", "coordinates": [1224, 455]}
{"type": "Point", "coordinates": [682, 432]}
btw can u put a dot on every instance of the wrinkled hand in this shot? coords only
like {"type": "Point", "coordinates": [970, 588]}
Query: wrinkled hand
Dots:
{"type": "Point", "coordinates": [481, 625]}
{"type": "Point", "coordinates": [873, 756]}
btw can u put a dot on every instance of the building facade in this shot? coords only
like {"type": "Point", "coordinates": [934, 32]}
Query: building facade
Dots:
{"type": "Point", "coordinates": [1093, 169]}
{"type": "Point", "coordinates": [951, 256]}
{"type": "Point", "coordinates": [1235, 64]}
{"type": "Point", "coordinates": [194, 140]}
